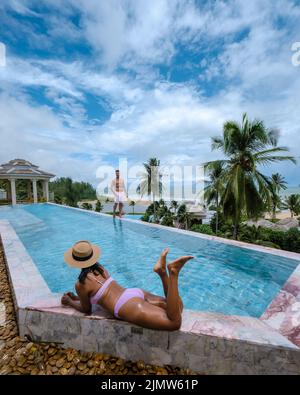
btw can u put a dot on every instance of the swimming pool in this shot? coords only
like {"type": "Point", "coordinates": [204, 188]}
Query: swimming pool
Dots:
{"type": "Point", "coordinates": [133, 216]}
{"type": "Point", "coordinates": [222, 278]}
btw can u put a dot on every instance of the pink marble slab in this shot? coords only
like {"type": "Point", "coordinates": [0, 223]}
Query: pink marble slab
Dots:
{"type": "Point", "coordinates": [283, 314]}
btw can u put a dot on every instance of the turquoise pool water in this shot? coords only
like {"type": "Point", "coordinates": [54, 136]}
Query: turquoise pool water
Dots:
{"type": "Point", "coordinates": [221, 278]}
{"type": "Point", "coordinates": [133, 216]}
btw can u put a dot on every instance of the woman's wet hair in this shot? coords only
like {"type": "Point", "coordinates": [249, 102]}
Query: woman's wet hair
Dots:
{"type": "Point", "coordinates": [96, 269]}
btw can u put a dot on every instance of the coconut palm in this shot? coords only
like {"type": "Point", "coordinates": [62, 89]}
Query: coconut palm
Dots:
{"type": "Point", "coordinates": [246, 147]}
{"type": "Point", "coordinates": [278, 183]}
{"type": "Point", "coordinates": [151, 181]}
{"type": "Point", "coordinates": [292, 203]}
{"type": "Point", "coordinates": [215, 187]}
{"type": "Point", "coordinates": [174, 205]}
{"type": "Point", "coordinates": [132, 204]}
{"type": "Point", "coordinates": [184, 217]}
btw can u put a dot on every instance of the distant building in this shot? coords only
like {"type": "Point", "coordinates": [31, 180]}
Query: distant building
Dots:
{"type": "Point", "coordinates": [21, 169]}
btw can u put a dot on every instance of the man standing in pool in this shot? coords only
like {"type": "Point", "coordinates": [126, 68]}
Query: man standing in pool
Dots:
{"type": "Point", "coordinates": [119, 191]}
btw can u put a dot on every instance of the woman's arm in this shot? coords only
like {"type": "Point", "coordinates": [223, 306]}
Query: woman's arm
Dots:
{"type": "Point", "coordinates": [73, 296]}
{"type": "Point", "coordinates": [83, 304]}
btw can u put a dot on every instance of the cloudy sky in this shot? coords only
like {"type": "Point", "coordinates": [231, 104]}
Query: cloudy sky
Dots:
{"type": "Point", "coordinates": [89, 81]}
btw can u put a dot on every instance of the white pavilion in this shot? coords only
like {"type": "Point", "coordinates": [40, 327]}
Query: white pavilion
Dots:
{"type": "Point", "coordinates": [20, 169]}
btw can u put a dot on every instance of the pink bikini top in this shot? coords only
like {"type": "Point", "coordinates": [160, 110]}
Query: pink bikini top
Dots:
{"type": "Point", "coordinates": [95, 298]}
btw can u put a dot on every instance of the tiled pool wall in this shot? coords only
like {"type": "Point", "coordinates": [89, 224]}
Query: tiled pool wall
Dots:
{"type": "Point", "coordinates": [208, 343]}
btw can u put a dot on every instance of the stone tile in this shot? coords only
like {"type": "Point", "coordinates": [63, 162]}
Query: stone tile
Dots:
{"type": "Point", "coordinates": [207, 342]}
{"type": "Point", "coordinates": [283, 314]}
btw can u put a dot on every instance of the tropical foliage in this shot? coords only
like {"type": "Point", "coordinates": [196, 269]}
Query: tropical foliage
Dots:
{"type": "Point", "coordinates": [70, 192]}
{"type": "Point", "coordinates": [99, 206]}
{"type": "Point", "coordinates": [174, 206]}
{"type": "Point", "coordinates": [278, 184]}
{"type": "Point", "coordinates": [151, 184]}
{"type": "Point", "coordinates": [247, 147]}
{"type": "Point", "coordinates": [87, 206]}
{"type": "Point", "coordinates": [292, 203]}
{"type": "Point", "coordinates": [215, 187]}
{"type": "Point", "coordinates": [132, 204]}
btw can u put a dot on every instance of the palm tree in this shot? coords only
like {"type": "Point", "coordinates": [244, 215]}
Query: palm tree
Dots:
{"type": "Point", "coordinates": [292, 203]}
{"type": "Point", "coordinates": [132, 204]}
{"type": "Point", "coordinates": [183, 216]}
{"type": "Point", "coordinates": [215, 188]}
{"type": "Point", "coordinates": [277, 184]}
{"type": "Point", "coordinates": [174, 205]}
{"type": "Point", "coordinates": [151, 181]}
{"type": "Point", "coordinates": [247, 146]}
{"type": "Point", "coordinates": [71, 194]}
{"type": "Point", "coordinates": [99, 206]}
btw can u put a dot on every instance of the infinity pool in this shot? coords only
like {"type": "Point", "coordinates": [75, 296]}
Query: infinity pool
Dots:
{"type": "Point", "coordinates": [221, 278]}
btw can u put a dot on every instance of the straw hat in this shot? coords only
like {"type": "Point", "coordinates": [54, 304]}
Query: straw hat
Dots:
{"type": "Point", "coordinates": [83, 254]}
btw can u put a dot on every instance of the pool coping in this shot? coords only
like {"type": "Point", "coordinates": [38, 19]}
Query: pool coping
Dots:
{"type": "Point", "coordinates": [212, 333]}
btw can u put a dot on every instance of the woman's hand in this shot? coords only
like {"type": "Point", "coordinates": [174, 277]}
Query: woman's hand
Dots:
{"type": "Point", "coordinates": [66, 300]}
{"type": "Point", "coordinates": [72, 295]}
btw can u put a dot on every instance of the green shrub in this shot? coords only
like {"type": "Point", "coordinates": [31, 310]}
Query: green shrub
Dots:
{"type": "Point", "coordinates": [286, 240]}
{"type": "Point", "coordinates": [206, 229]}
{"type": "Point", "coordinates": [145, 217]}
{"type": "Point", "coordinates": [273, 235]}
{"type": "Point", "coordinates": [57, 199]}
{"type": "Point", "coordinates": [99, 206]}
{"type": "Point", "coordinates": [267, 244]}
{"type": "Point", "coordinates": [167, 220]}
{"type": "Point", "coordinates": [292, 240]}
{"type": "Point", "coordinates": [87, 206]}
{"type": "Point", "coordinates": [222, 224]}
{"type": "Point", "coordinates": [212, 207]}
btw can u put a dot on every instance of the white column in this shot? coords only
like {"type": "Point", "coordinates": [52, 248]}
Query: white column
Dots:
{"type": "Point", "coordinates": [35, 198]}
{"type": "Point", "coordinates": [13, 192]}
{"type": "Point", "coordinates": [46, 190]}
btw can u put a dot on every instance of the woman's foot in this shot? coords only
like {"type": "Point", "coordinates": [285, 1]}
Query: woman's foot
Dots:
{"type": "Point", "coordinates": [175, 266]}
{"type": "Point", "coordinates": [160, 266]}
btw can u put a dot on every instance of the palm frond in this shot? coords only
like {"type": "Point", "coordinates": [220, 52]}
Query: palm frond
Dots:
{"type": "Point", "coordinates": [217, 143]}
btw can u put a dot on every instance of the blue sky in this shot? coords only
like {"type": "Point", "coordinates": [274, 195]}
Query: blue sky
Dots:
{"type": "Point", "coordinates": [89, 81]}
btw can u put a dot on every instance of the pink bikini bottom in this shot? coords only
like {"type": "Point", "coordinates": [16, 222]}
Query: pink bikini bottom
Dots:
{"type": "Point", "coordinates": [128, 294]}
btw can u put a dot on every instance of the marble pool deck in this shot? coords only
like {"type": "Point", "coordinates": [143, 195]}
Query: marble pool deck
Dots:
{"type": "Point", "coordinates": [208, 343]}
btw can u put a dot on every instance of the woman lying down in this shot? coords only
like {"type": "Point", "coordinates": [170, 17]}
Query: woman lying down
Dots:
{"type": "Point", "coordinates": [96, 286]}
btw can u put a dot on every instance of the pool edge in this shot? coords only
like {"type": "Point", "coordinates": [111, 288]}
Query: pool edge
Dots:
{"type": "Point", "coordinates": [217, 343]}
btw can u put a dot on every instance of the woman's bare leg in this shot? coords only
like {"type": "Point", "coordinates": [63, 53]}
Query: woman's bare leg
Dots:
{"type": "Point", "coordinates": [173, 298]}
{"type": "Point", "coordinates": [161, 269]}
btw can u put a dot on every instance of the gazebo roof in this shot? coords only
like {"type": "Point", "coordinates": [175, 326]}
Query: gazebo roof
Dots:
{"type": "Point", "coordinates": [19, 168]}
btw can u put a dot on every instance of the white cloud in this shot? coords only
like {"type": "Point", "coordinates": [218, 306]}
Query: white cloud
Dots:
{"type": "Point", "coordinates": [38, 135]}
{"type": "Point", "coordinates": [151, 116]}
